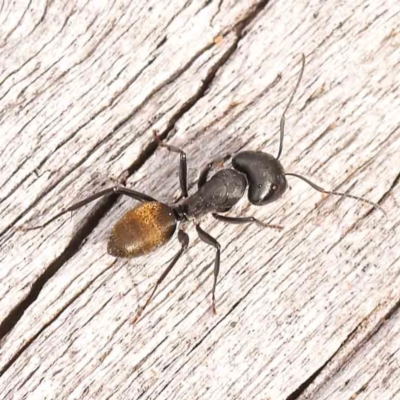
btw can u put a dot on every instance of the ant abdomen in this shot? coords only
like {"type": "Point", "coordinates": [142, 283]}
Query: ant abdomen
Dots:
{"type": "Point", "coordinates": [264, 173]}
{"type": "Point", "coordinates": [141, 230]}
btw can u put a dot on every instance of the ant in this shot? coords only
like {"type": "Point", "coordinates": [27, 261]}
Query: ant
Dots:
{"type": "Point", "coordinates": [151, 224]}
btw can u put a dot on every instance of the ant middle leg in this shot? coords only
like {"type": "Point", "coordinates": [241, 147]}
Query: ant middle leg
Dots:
{"type": "Point", "coordinates": [184, 241]}
{"type": "Point", "coordinates": [245, 220]}
{"type": "Point", "coordinates": [182, 165]}
{"type": "Point", "coordinates": [207, 238]}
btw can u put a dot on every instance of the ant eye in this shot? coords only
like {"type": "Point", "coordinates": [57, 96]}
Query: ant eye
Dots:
{"type": "Point", "coordinates": [274, 187]}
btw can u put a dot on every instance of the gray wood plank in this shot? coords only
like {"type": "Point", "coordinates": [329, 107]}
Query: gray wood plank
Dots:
{"type": "Point", "coordinates": [290, 304]}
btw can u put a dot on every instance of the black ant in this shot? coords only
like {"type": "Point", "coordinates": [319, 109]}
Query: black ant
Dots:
{"type": "Point", "coordinates": [151, 224]}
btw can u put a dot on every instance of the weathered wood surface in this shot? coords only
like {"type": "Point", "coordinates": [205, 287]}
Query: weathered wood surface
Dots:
{"type": "Point", "coordinates": [307, 313]}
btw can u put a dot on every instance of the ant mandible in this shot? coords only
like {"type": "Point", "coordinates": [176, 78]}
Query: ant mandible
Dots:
{"type": "Point", "coordinates": [151, 224]}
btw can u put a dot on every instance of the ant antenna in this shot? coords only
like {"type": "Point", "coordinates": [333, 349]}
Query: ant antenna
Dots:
{"type": "Point", "coordinates": [313, 185]}
{"type": "Point", "coordinates": [282, 123]}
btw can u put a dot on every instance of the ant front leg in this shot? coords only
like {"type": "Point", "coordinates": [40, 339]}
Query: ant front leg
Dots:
{"type": "Point", "coordinates": [245, 220]}
{"type": "Point", "coordinates": [206, 170]}
{"type": "Point", "coordinates": [182, 165]}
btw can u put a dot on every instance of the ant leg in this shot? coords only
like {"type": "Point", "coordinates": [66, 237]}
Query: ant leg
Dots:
{"type": "Point", "coordinates": [245, 220]}
{"type": "Point", "coordinates": [106, 192]}
{"type": "Point", "coordinates": [182, 165]}
{"type": "Point", "coordinates": [121, 179]}
{"type": "Point", "coordinates": [205, 171]}
{"type": "Point", "coordinates": [184, 241]}
{"type": "Point", "coordinates": [205, 237]}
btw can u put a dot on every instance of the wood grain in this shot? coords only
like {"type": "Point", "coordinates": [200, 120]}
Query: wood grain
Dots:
{"type": "Point", "coordinates": [83, 86]}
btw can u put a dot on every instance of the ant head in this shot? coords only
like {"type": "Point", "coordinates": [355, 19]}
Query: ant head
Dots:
{"type": "Point", "coordinates": [265, 175]}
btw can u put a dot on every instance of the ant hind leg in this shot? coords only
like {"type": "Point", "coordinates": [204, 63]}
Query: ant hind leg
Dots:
{"type": "Point", "coordinates": [184, 241]}
{"type": "Point", "coordinates": [106, 192]}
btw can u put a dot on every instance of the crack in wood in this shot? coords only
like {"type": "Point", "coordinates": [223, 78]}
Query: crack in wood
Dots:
{"type": "Point", "coordinates": [16, 314]}
{"type": "Point", "coordinates": [200, 342]}
{"type": "Point", "coordinates": [352, 336]}
{"type": "Point", "coordinates": [385, 195]}
{"type": "Point", "coordinates": [105, 205]}
{"type": "Point", "coordinates": [237, 28]}
{"type": "Point", "coordinates": [303, 386]}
